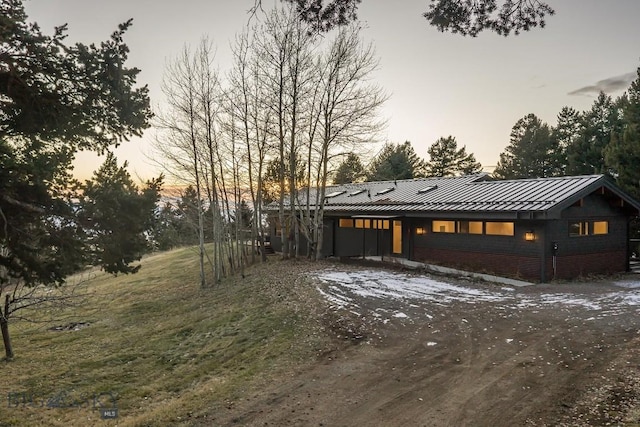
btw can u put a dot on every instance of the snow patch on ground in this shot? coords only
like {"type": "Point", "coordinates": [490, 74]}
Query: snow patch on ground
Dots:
{"type": "Point", "coordinates": [405, 288]}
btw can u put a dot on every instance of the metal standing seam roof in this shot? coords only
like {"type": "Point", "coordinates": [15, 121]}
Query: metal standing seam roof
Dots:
{"type": "Point", "coordinates": [471, 193]}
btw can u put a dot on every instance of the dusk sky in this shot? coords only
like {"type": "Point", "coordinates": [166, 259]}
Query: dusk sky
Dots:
{"type": "Point", "coordinates": [440, 84]}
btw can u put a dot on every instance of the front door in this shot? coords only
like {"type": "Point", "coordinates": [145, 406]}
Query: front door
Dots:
{"type": "Point", "coordinates": [397, 237]}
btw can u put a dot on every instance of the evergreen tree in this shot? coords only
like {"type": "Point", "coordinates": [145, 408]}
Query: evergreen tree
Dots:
{"type": "Point", "coordinates": [585, 155]}
{"type": "Point", "coordinates": [531, 152]}
{"type": "Point", "coordinates": [467, 18]}
{"type": "Point", "coordinates": [55, 99]}
{"type": "Point", "coordinates": [396, 161]}
{"type": "Point", "coordinates": [117, 216]}
{"type": "Point", "coordinates": [350, 170]}
{"type": "Point", "coordinates": [271, 188]}
{"type": "Point", "coordinates": [623, 152]}
{"type": "Point", "coordinates": [565, 134]}
{"type": "Point", "coordinates": [445, 159]}
{"type": "Point", "coordinates": [165, 234]}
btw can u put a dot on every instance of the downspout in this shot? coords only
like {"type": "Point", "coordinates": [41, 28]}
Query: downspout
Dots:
{"type": "Point", "coordinates": [628, 259]}
{"type": "Point", "coordinates": [544, 249]}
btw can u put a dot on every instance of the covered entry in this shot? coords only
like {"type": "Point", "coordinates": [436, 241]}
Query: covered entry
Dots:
{"type": "Point", "coordinates": [368, 235]}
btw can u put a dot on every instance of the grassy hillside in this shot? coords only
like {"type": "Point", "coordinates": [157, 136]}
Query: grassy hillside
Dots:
{"type": "Point", "coordinates": [166, 350]}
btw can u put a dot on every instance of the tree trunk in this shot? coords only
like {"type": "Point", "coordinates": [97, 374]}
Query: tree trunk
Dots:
{"type": "Point", "coordinates": [4, 326]}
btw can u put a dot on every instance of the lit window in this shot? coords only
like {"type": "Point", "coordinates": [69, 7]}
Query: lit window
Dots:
{"type": "Point", "coordinates": [385, 224]}
{"type": "Point", "coordinates": [367, 223]}
{"type": "Point", "coordinates": [601, 227]}
{"type": "Point", "coordinates": [500, 228]}
{"type": "Point", "coordinates": [421, 230]}
{"type": "Point", "coordinates": [359, 223]}
{"type": "Point", "coordinates": [470, 227]}
{"type": "Point", "coordinates": [443, 226]}
{"type": "Point", "coordinates": [578, 228]}
{"type": "Point", "coordinates": [346, 223]}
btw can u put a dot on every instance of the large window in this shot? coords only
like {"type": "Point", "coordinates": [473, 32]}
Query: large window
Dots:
{"type": "Point", "coordinates": [586, 228]}
{"type": "Point", "coordinates": [443, 226]}
{"type": "Point", "coordinates": [499, 228]}
{"type": "Point", "coordinates": [380, 224]}
{"type": "Point", "coordinates": [495, 228]}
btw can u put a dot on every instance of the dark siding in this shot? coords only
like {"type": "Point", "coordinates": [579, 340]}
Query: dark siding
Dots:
{"type": "Point", "coordinates": [327, 236]}
{"type": "Point", "coordinates": [593, 254]}
{"type": "Point", "coordinates": [507, 255]}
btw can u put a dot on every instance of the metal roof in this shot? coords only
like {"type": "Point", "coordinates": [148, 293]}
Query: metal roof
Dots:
{"type": "Point", "coordinates": [471, 193]}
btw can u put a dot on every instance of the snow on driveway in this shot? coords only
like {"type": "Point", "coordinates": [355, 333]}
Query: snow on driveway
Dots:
{"type": "Point", "coordinates": [342, 286]}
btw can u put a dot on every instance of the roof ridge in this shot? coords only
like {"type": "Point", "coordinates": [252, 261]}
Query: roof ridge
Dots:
{"type": "Point", "coordinates": [548, 178]}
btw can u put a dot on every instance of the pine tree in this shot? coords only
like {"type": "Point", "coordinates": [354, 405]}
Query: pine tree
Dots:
{"type": "Point", "coordinates": [55, 99]}
{"type": "Point", "coordinates": [565, 134]}
{"type": "Point", "coordinates": [622, 155]}
{"type": "Point", "coordinates": [396, 161]}
{"type": "Point", "coordinates": [585, 155]}
{"type": "Point", "coordinates": [531, 152]}
{"type": "Point", "coordinates": [116, 216]}
{"type": "Point", "coordinates": [350, 170]}
{"type": "Point", "coordinates": [445, 159]}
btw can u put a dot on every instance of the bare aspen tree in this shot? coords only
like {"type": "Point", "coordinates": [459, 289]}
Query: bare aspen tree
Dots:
{"type": "Point", "coordinates": [348, 114]}
{"type": "Point", "coordinates": [284, 47]}
{"type": "Point", "coordinates": [179, 140]}
{"type": "Point", "coordinates": [249, 103]}
{"type": "Point", "coordinates": [209, 101]}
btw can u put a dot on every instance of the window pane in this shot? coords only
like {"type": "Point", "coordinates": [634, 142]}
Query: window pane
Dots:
{"type": "Point", "coordinates": [347, 223]}
{"type": "Point", "coordinates": [500, 228]}
{"type": "Point", "coordinates": [385, 224]}
{"type": "Point", "coordinates": [443, 226]}
{"type": "Point", "coordinates": [601, 227]}
{"type": "Point", "coordinates": [470, 227]}
{"type": "Point", "coordinates": [359, 223]}
{"type": "Point", "coordinates": [475, 227]}
{"type": "Point", "coordinates": [578, 228]}
{"type": "Point", "coordinates": [367, 223]}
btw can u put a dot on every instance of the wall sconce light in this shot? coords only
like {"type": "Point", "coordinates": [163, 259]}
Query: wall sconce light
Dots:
{"type": "Point", "coordinates": [421, 230]}
{"type": "Point", "coordinates": [529, 236]}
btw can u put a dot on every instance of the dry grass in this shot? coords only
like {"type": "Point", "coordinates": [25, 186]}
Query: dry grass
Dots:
{"type": "Point", "coordinates": [166, 350]}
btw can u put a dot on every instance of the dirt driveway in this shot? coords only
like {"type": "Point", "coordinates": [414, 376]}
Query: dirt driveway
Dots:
{"type": "Point", "coordinates": [436, 351]}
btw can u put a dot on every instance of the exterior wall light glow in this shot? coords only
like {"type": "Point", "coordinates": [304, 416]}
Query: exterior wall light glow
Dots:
{"type": "Point", "coordinates": [529, 236]}
{"type": "Point", "coordinates": [421, 230]}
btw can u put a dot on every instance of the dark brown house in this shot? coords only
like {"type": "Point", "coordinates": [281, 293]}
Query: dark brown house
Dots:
{"type": "Point", "coordinates": [535, 229]}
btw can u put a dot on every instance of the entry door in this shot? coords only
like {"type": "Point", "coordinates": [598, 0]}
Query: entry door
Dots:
{"type": "Point", "coordinates": [397, 237]}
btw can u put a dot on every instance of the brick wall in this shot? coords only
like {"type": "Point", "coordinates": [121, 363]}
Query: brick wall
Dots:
{"type": "Point", "coordinates": [525, 267]}
{"type": "Point", "coordinates": [572, 266]}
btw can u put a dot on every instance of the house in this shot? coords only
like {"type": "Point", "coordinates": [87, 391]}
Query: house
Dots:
{"type": "Point", "coordinates": [535, 229]}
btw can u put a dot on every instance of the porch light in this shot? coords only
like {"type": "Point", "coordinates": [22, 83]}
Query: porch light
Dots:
{"type": "Point", "coordinates": [421, 230]}
{"type": "Point", "coordinates": [529, 236]}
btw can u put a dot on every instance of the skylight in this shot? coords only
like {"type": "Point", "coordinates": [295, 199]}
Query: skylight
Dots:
{"type": "Point", "coordinates": [385, 191]}
{"type": "Point", "coordinates": [427, 189]}
{"type": "Point", "coordinates": [334, 194]}
{"type": "Point", "coordinates": [355, 193]}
